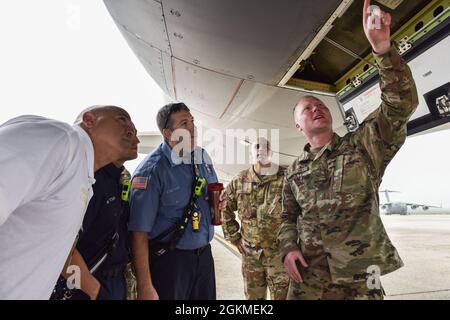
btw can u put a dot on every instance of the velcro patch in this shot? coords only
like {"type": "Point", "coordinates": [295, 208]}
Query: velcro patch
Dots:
{"type": "Point", "coordinates": [139, 183]}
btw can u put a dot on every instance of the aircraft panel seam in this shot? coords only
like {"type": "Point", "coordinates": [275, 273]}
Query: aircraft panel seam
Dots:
{"type": "Point", "coordinates": [207, 69]}
{"type": "Point", "coordinates": [164, 72]}
{"type": "Point", "coordinates": [161, 52]}
{"type": "Point", "coordinates": [232, 98]}
{"type": "Point", "coordinates": [327, 26]}
{"type": "Point", "coordinates": [269, 85]}
{"type": "Point", "coordinates": [174, 77]}
{"type": "Point", "coordinates": [134, 36]}
{"type": "Point", "coordinates": [167, 30]}
{"type": "Point", "coordinates": [276, 125]}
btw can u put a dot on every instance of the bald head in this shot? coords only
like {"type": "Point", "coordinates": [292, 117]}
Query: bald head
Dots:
{"type": "Point", "coordinates": [112, 133]}
{"type": "Point", "coordinates": [98, 110]}
{"type": "Point", "coordinates": [313, 118]}
{"type": "Point", "coordinates": [305, 100]}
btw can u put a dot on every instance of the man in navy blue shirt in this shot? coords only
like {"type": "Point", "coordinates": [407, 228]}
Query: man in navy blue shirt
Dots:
{"type": "Point", "coordinates": [102, 248]}
{"type": "Point", "coordinates": [160, 192]}
{"type": "Point", "coordinates": [103, 242]}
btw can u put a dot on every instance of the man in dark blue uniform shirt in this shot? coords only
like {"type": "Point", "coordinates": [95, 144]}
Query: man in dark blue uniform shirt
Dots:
{"type": "Point", "coordinates": [103, 241]}
{"type": "Point", "coordinates": [102, 250]}
{"type": "Point", "coordinates": [161, 190]}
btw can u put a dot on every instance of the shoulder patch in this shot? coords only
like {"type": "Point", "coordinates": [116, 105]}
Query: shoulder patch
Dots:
{"type": "Point", "coordinates": [139, 183]}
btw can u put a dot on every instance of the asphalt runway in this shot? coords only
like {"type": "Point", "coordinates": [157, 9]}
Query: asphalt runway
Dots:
{"type": "Point", "coordinates": [423, 242]}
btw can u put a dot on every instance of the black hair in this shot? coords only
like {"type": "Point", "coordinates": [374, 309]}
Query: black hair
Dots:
{"type": "Point", "coordinates": [163, 116]}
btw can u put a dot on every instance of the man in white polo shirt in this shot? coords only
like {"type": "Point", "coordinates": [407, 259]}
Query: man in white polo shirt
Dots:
{"type": "Point", "coordinates": [46, 172]}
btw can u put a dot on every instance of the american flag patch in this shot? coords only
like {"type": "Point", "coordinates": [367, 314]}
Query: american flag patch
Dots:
{"type": "Point", "coordinates": [139, 183]}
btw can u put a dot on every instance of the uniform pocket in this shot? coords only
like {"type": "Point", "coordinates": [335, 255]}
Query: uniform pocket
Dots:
{"type": "Point", "coordinates": [173, 196]}
{"type": "Point", "coordinates": [353, 183]}
{"type": "Point", "coordinates": [275, 205]}
{"type": "Point", "coordinates": [303, 189]}
{"type": "Point", "coordinates": [244, 201]}
{"type": "Point", "coordinates": [354, 174]}
{"type": "Point", "coordinates": [272, 220]}
{"type": "Point", "coordinates": [337, 169]}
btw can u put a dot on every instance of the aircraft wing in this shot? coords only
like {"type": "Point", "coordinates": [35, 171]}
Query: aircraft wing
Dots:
{"type": "Point", "coordinates": [417, 205]}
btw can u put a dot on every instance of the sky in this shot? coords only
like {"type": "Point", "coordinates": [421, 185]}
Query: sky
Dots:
{"type": "Point", "coordinates": [60, 56]}
{"type": "Point", "coordinates": [420, 170]}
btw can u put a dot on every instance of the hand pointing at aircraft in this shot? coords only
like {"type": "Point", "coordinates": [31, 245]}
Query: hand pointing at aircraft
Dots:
{"type": "Point", "coordinates": [377, 27]}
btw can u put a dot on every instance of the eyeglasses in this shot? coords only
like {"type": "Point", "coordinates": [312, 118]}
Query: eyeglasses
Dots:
{"type": "Point", "coordinates": [168, 116]}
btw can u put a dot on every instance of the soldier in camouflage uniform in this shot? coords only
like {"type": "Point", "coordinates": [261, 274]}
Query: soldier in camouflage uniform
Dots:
{"type": "Point", "coordinates": [256, 195]}
{"type": "Point", "coordinates": [331, 238]}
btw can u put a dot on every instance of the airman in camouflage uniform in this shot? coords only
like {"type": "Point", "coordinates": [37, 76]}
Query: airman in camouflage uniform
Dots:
{"type": "Point", "coordinates": [256, 196]}
{"type": "Point", "coordinates": [331, 238]}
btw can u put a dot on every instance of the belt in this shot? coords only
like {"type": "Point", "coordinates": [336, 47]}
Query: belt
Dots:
{"type": "Point", "coordinates": [197, 251]}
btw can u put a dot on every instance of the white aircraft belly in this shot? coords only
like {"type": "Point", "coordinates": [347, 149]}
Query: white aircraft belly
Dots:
{"type": "Point", "coordinates": [224, 59]}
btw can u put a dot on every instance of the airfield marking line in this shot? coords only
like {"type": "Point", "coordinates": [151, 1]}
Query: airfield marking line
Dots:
{"type": "Point", "coordinates": [230, 247]}
{"type": "Point", "coordinates": [419, 292]}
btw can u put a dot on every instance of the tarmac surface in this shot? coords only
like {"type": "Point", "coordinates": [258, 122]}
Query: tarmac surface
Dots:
{"type": "Point", "coordinates": [423, 242]}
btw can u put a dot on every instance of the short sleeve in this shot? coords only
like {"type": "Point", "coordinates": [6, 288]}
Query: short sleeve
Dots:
{"type": "Point", "coordinates": [15, 183]}
{"type": "Point", "coordinates": [144, 202]}
{"type": "Point", "coordinates": [210, 171]}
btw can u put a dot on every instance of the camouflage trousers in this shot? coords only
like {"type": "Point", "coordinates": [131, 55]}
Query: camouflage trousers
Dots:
{"type": "Point", "coordinates": [317, 285]}
{"type": "Point", "coordinates": [260, 272]}
{"type": "Point", "coordinates": [131, 283]}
